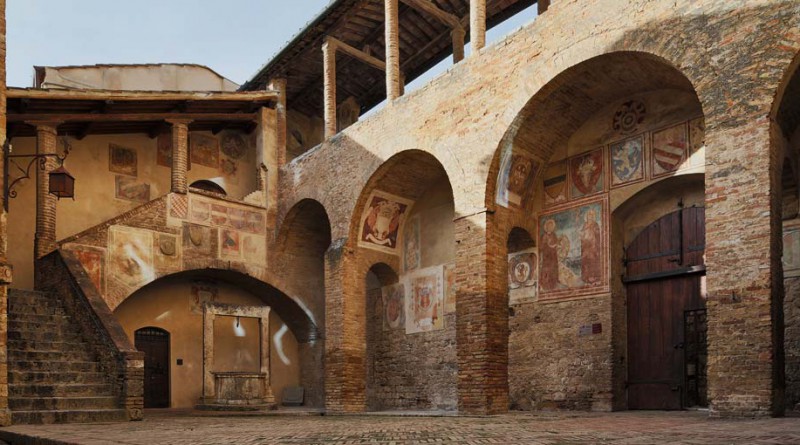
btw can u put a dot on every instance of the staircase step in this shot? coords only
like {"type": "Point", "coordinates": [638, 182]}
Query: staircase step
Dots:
{"type": "Point", "coordinates": [34, 309]}
{"type": "Point", "coordinates": [54, 365]}
{"type": "Point", "coordinates": [16, 317]}
{"type": "Point", "coordinates": [62, 403]}
{"type": "Point", "coordinates": [16, 376]}
{"type": "Point", "coordinates": [33, 345]}
{"type": "Point", "coordinates": [73, 416]}
{"type": "Point", "coordinates": [40, 336]}
{"type": "Point", "coordinates": [59, 390]}
{"type": "Point", "coordinates": [49, 355]}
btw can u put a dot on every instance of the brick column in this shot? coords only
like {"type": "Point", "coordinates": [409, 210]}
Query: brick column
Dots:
{"type": "Point", "coordinates": [345, 332]}
{"type": "Point", "coordinates": [45, 238]}
{"type": "Point", "coordinates": [392, 39]}
{"type": "Point", "coordinates": [180, 155]}
{"type": "Point", "coordinates": [745, 277]}
{"type": "Point", "coordinates": [458, 35]}
{"type": "Point", "coordinates": [5, 268]}
{"type": "Point", "coordinates": [481, 316]}
{"type": "Point", "coordinates": [329, 77]}
{"type": "Point", "coordinates": [477, 24]}
{"type": "Point", "coordinates": [268, 150]}
{"type": "Point", "coordinates": [279, 85]}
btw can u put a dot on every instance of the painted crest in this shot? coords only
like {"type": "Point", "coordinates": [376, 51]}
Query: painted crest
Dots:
{"type": "Point", "coordinates": [627, 164]}
{"type": "Point", "coordinates": [586, 174]}
{"type": "Point", "coordinates": [669, 149]}
{"type": "Point", "coordinates": [381, 221]}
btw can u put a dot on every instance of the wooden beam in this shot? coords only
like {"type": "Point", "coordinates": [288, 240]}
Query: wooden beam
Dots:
{"type": "Point", "coordinates": [430, 8]}
{"type": "Point", "coordinates": [131, 117]}
{"type": "Point", "coordinates": [109, 95]}
{"type": "Point", "coordinates": [338, 45]}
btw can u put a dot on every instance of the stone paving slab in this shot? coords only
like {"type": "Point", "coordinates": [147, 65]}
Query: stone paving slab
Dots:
{"type": "Point", "coordinates": [627, 428]}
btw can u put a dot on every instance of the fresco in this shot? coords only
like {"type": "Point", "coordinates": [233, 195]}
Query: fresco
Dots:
{"type": "Point", "coordinates": [129, 189]}
{"type": "Point", "coordinates": [167, 252]}
{"type": "Point", "coordinates": [235, 217]}
{"type": "Point", "coordinates": [411, 250]}
{"type": "Point", "coordinates": [669, 150]}
{"type": "Point", "coordinates": [393, 298]}
{"type": "Point", "coordinates": [230, 246]}
{"type": "Point", "coordinates": [516, 177]}
{"type": "Point", "coordinates": [203, 292]}
{"type": "Point", "coordinates": [450, 288]}
{"type": "Point", "coordinates": [425, 301]}
{"type": "Point", "coordinates": [382, 222]}
{"type": "Point", "coordinates": [791, 249]}
{"type": "Point", "coordinates": [573, 253]}
{"type": "Point", "coordinates": [254, 249]}
{"type": "Point", "coordinates": [626, 159]}
{"type": "Point", "coordinates": [233, 145]}
{"type": "Point", "coordinates": [93, 260]}
{"type": "Point", "coordinates": [130, 255]}
{"type": "Point", "coordinates": [523, 271]}
{"type": "Point", "coordinates": [697, 140]}
{"type": "Point", "coordinates": [164, 150]}
{"type": "Point", "coordinates": [204, 150]}
{"type": "Point", "coordinates": [229, 169]}
{"type": "Point", "coordinates": [122, 160]}
{"type": "Point", "coordinates": [586, 174]}
{"type": "Point", "coordinates": [555, 183]}
{"type": "Point", "coordinates": [198, 239]}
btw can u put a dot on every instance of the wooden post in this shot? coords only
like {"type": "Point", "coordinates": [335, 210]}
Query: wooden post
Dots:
{"type": "Point", "coordinates": [180, 155]}
{"type": "Point", "coordinates": [45, 237]}
{"type": "Point", "coordinates": [458, 35]}
{"type": "Point", "coordinates": [392, 50]}
{"type": "Point", "coordinates": [477, 24]}
{"type": "Point", "coordinates": [329, 69]}
{"type": "Point", "coordinates": [542, 6]}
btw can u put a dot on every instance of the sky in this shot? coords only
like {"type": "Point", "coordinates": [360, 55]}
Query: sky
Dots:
{"type": "Point", "coordinates": [234, 37]}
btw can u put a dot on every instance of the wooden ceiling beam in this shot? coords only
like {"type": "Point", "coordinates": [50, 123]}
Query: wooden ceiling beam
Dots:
{"type": "Point", "coordinates": [356, 53]}
{"type": "Point", "coordinates": [131, 117]}
{"type": "Point", "coordinates": [431, 9]}
{"type": "Point", "coordinates": [122, 96]}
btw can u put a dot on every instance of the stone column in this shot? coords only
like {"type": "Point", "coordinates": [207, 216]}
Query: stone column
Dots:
{"type": "Point", "coordinates": [263, 324]}
{"type": "Point", "coordinates": [209, 387]}
{"type": "Point", "coordinates": [392, 39]}
{"type": "Point", "coordinates": [45, 238]}
{"type": "Point", "coordinates": [744, 271]}
{"type": "Point", "coordinates": [345, 332]}
{"type": "Point", "coordinates": [5, 268]}
{"type": "Point", "coordinates": [329, 70]}
{"type": "Point", "coordinates": [279, 85]}
{"type": "Point", "coordinates": [542, 6]}
{"type": "Point", "coordinates": [477, 24]}
{"type": "Point", "coordinates": [180, 155]}
{"type": "Point", "coordinates": [481, 316]}
{"type": "Point", "coordinates": [458, 44]}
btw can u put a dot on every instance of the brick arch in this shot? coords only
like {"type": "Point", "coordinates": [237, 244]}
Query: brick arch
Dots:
{"type": "Point", "coordinates": [306, 224]}
{"type": "Point", "coordinates": [786, 105]}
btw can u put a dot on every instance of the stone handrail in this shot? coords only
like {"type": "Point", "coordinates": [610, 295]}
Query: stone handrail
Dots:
{"type": "Point", "coordinates": [64, 276]}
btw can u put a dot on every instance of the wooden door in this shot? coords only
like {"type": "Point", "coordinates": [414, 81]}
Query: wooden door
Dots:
{"type": "Point", "coordinates": [154, 342]}
{"type": "Point", "coordinates": [663, 282]}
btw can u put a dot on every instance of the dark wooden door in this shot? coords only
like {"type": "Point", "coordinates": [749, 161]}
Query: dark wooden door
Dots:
{"type": "Point", "coordinates": [663, 280]}
{"type": "Point", "coordinates": [154, 342]}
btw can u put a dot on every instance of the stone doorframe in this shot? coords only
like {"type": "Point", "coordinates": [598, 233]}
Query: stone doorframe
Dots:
{"type": "Point", "coordinates": [210, 312]}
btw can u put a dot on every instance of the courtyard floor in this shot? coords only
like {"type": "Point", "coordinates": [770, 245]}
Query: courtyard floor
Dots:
{"type": "Point", "coordinates": [539, 428]}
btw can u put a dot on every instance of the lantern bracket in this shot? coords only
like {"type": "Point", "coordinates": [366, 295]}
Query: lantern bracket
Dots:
{"type": "Point", "coordinates": [8, 158]}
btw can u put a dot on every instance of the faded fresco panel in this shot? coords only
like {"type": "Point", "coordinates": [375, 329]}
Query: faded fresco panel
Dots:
{"type": "Point", "coordinates": [697, 140]}
{"type": "Point", "coordinates": [234, 145]}
{"type": "Point", "coordinates": [518, 172]}
{"type": "Point", "coordinates": [573, 251]}
{"type": "Point", "coordinates": [626, 160]}
{"type": "Point", "coordinates": [254, 248]}
{"type": "Point", "coordinates": [586, 174]}
{"type": "Point", "coordinates": [393, 298]}
{"type": "Point", "coordinates": [130, 190]}
{"type": "Point", "coordinates": [130, 252]}
{"type": "Point", "coordinates": [204, 150]}
{"type": "Point", "coordinates": [668, 150]}
{"type": "Point", "coordinates": [523, 272]}
{"type": "Point", "coordinates": [93, 260]}
{"type": "Point", "coordinates": [122, 160]}
{"type": "Point", "coordinates": [164, 150]}
{"type": "Point", "coordinates": [198, 239]}
{"type": "Point", "coordinates": [425, 301]}
{"type": "Point", "coordinates": [791, 249]}
{"type": "Point", "coordinates": [411, 251]}
{"type": "Point", "coordinates": [230, 244]}
{"type": "Point", "coordinates": [382, 222]}
{"type": "Point", "coordinates": [555, 183]}
{"type": "Point", "coordinates": [450, 288]}
{"type": "Point", "coordinates": [167, 252]}
{"type": "Point", "coordinates": [203, 292]}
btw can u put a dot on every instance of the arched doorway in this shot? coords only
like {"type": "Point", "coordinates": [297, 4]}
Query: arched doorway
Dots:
{"type": "Point", "coordinates": [666, 311]}
{"type": "Point", "coordinates": [154, 342]}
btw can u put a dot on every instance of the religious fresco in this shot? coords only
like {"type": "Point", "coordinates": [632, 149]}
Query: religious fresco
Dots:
{"type": "Point", "coordinates": [450, 288]}
{"type": "Point", "coordinates": [204, 150]}
{"type": "Point", "coordinates": [573, 252]}
{"type": "Point", "coordinates": [697, 140]}
{"type": "Point", "coordinates": [129, 189]}
{"type": "Point", "coordinates": [122, 160]}
{"type": "Point", "coordinates": [93, 260]}
{"type": "Point", "coordinates": [167, 252]}
{"type": "Point", "coordinates": [230, 246]}
{"type": "Point", "coordinates": [382, 222]}
{"type": "Point", "coordinates": [203, 292]}
{"type": "Point", "coordinates": [555, 183]}
{"type": "Point", "coordinates": [668, 150]}
{"type": "Point", "coordinates": [791, 249]}
{"type": "Point", "coordinates": [411, 249]}
{"type": "Point", "coordinates": [164, 150]}
{"type": "Point", "coordinates": [233, 145]}
{"type": "Point", "coordinates": [130, 255]}
{"type": "Point", "coordinates": [523, 273]}
{"type": "Point", "coordinates": [425, 301]}
{"type": "Point", "coordinates": [586, 174]}
{"type": "Point", "coordinates": [516, 177]}
{"type": "Point", "coordinates": [626, 161]}
{"type": "Point", "coordinates": [393, 298]}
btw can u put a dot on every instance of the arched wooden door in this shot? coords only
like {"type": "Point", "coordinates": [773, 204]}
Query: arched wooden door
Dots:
{"type": "Point", "coordinates": [154, 342]}
{"type": "Point", "coordinates": [666, 313]}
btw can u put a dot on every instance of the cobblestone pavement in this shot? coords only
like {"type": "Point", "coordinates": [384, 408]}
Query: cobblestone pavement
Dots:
{"type": "Point", "coordinates": [556, 429]}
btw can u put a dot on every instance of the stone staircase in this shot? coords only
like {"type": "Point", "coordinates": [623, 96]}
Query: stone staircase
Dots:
{"type": "Point", "coordinates": [54, 377]}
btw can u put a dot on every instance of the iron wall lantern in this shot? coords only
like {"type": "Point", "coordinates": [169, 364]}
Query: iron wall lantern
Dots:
{"type": "Point", "coordinates": [62, 183]}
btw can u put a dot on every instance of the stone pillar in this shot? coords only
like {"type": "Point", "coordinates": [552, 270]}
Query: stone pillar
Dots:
{"type": "Point", "coordinates": [5, 268]}
{"type": "Point", "coordinates": [542, 6]}
{"type": "Point", "coordinates": [458, 44]}
{"type": "Point", "coordinates": [45, 238]}
{"type": "Point", "coordinates": [345, 332]}
{"type": "Point", "coordinates": [279, 85]}
{"type": "Point", "coordinates": [209, 385]}
{"type": "Point", "coordinates": [180, 155]}
{"type": "Point", "coordinates": [268, 150]}
{"type": "Point", "coordinates": [392, 39]}
{"type": "Point", "coordinates": [329, 70]}
{"type": "Point", "coordinates": [477, 24]}
{"type": "Point", "coordinates": [744, 272]}
{"type": "Point", "coordinates": [481, 316]}
{"type": "Point", "coordinates": [263, 324]}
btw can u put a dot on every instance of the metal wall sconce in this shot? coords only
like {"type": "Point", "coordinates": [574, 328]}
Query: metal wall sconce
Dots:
{"type": "Point", "coordinates": [62, 183]}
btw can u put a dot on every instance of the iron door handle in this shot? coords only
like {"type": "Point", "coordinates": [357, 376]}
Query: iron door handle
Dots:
{"type": "Point", "coordinates": [678, 346]}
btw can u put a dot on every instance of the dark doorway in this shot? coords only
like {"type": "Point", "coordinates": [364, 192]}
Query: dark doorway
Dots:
{"type": "Point", "coordinates": [667, 351]}
{"type": "Point", "coordinates": [154, 342]}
